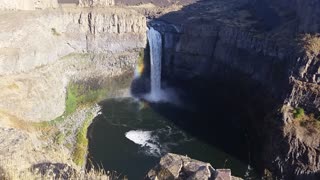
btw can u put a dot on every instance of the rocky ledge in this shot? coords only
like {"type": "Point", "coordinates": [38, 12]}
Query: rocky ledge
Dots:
{"type": "Point", "coordinates": [173, 166]}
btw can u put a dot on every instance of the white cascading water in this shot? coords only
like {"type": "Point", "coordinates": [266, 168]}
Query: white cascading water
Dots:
{"type": "Point", "coordinates": [155, 44]}
{"type": "Point", "coordinates": [157, 94]}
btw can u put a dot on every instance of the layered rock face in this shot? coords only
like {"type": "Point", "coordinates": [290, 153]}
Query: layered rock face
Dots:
{"type": "Point", "coordinates": [38, 52]}
{"type": "Point", "coordinates": [229, 38]}
{"type": "Point", "coordinates": [60, 33]}
{"type": "Point", "coordinates": [27, 4]}
{"type": "Point", "coordinates": [96, 3]}
{"type": "Point", "coordinates": [46, 4]}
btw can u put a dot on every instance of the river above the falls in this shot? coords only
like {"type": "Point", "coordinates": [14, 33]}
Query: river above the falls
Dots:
{"type": "Point", "coordinates": [130, 136]}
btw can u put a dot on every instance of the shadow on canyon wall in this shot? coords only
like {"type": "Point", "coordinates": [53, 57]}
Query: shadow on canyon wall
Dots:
{"type": "Point", "coordinates": [252, 14]}
{"type": "Point", "coordinates": [228, 106]}
{"type": "Point", "coordinates": [220, 110]}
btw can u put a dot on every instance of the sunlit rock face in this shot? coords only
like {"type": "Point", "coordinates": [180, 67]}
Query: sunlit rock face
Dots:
{"type": "Point", "coordinates": [96, 3]}
{"type": "Point", "coordinates": [36, 67]}
{"type": "Point", "coordinates": [28, 4]}
{"type": "Point", "coordinates": [60, 33]}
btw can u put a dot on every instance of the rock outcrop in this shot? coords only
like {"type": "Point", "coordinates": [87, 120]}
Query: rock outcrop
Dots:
{"type": "Point", "coordinates": [33, 46]}
{"type": "Point", "coordinates": [60, 33]}
{"type": "Point", "coordinates": [28, 4]}
{"type": "Point", "coordinates": [173, 166]}
{"type": "Point", "coordinates": [96, 3]}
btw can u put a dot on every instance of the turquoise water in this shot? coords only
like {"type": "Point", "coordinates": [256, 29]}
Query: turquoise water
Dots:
{"type": "Point", "coordinates": [130, 136]}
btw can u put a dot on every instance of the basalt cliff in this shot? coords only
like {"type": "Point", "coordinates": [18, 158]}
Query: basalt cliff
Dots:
{"type": "Point", "coordinates": [268, 53]}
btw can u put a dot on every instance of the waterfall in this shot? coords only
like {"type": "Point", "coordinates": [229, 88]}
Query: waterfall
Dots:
{"type": "Point", "coordinates": [157, 94]}
{"type": "Point", "coordinates": [155, 44]}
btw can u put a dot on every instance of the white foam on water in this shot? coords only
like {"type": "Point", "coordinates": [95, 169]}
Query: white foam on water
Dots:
{"type": "Point", "coordinates": [146, 140]}
{"type": "Point", "coordinates": [158, 142]}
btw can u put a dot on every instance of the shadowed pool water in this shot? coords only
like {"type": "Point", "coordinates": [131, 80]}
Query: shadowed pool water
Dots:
{"type": "Point", "coordinates": [130, 136]}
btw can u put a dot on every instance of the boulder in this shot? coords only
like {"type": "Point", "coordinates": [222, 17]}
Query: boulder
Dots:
{"type": "Point", "coordinates": [174, 166]}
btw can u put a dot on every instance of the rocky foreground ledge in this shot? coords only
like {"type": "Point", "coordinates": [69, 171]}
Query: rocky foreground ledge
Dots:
{"type": "Point", "coordinates": [174, 166]}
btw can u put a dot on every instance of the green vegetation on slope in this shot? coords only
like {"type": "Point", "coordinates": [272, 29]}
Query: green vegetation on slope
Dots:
{"type": "Point", "coordinates": [306, 120]}
{"type": "Point", "coordinates": [298, 113]}
{"type": "Point", "coordinates": [78, 155]}
{"type": "Point", "coordinates": [77, 95]}
{"type": "Point", "coordinates": [80, 95]}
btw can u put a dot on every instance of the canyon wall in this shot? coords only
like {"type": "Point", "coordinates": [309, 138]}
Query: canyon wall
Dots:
{"type": "Point", "coordinates": [307, 12]}
{"type": "Point", "coordinates": [199, 51]}
{"type": "Point", "coordinates": [39, 52]}
{"type": "Point", "coordinates": [204, 45]}
{"type": "Point", "coordinates": [60, 33]}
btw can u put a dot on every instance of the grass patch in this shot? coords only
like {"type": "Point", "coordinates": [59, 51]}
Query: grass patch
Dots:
{"type": "Point", "coordinates": [72, 99]}
{"type": "Point", "coordinates": [306, 120]}
{"type": "Point", "coordinates": [77, 56]}
{"type": "Point", "coordinates": [55, 32]}
{"type": "Point", "coordinates": [77, 95]}
{"type": "Point", "coordinates": [80, 95]}
{"type": "Point", "coordinates": [298, 113]}
{"type": "Point", "coordinates": [52, 171]}
{"type": "Point", "coordinates": [59, 138]}
{"type": "Point", "coordinates": [311, 44]}
{"type": "Point", "coordinates": [311, 125]}
{"type": "Point", "coordinates": [13, 86]}
{"type": "Point", "coordinates": [78, 155]}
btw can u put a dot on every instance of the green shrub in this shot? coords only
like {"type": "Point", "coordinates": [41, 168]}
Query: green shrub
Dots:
{"type": "Point", "coordinates": [298, 113]}
{"type": "Point", "coordinates": [77, 95]}
{"type": "Point", "coordinates": [59, 138]}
